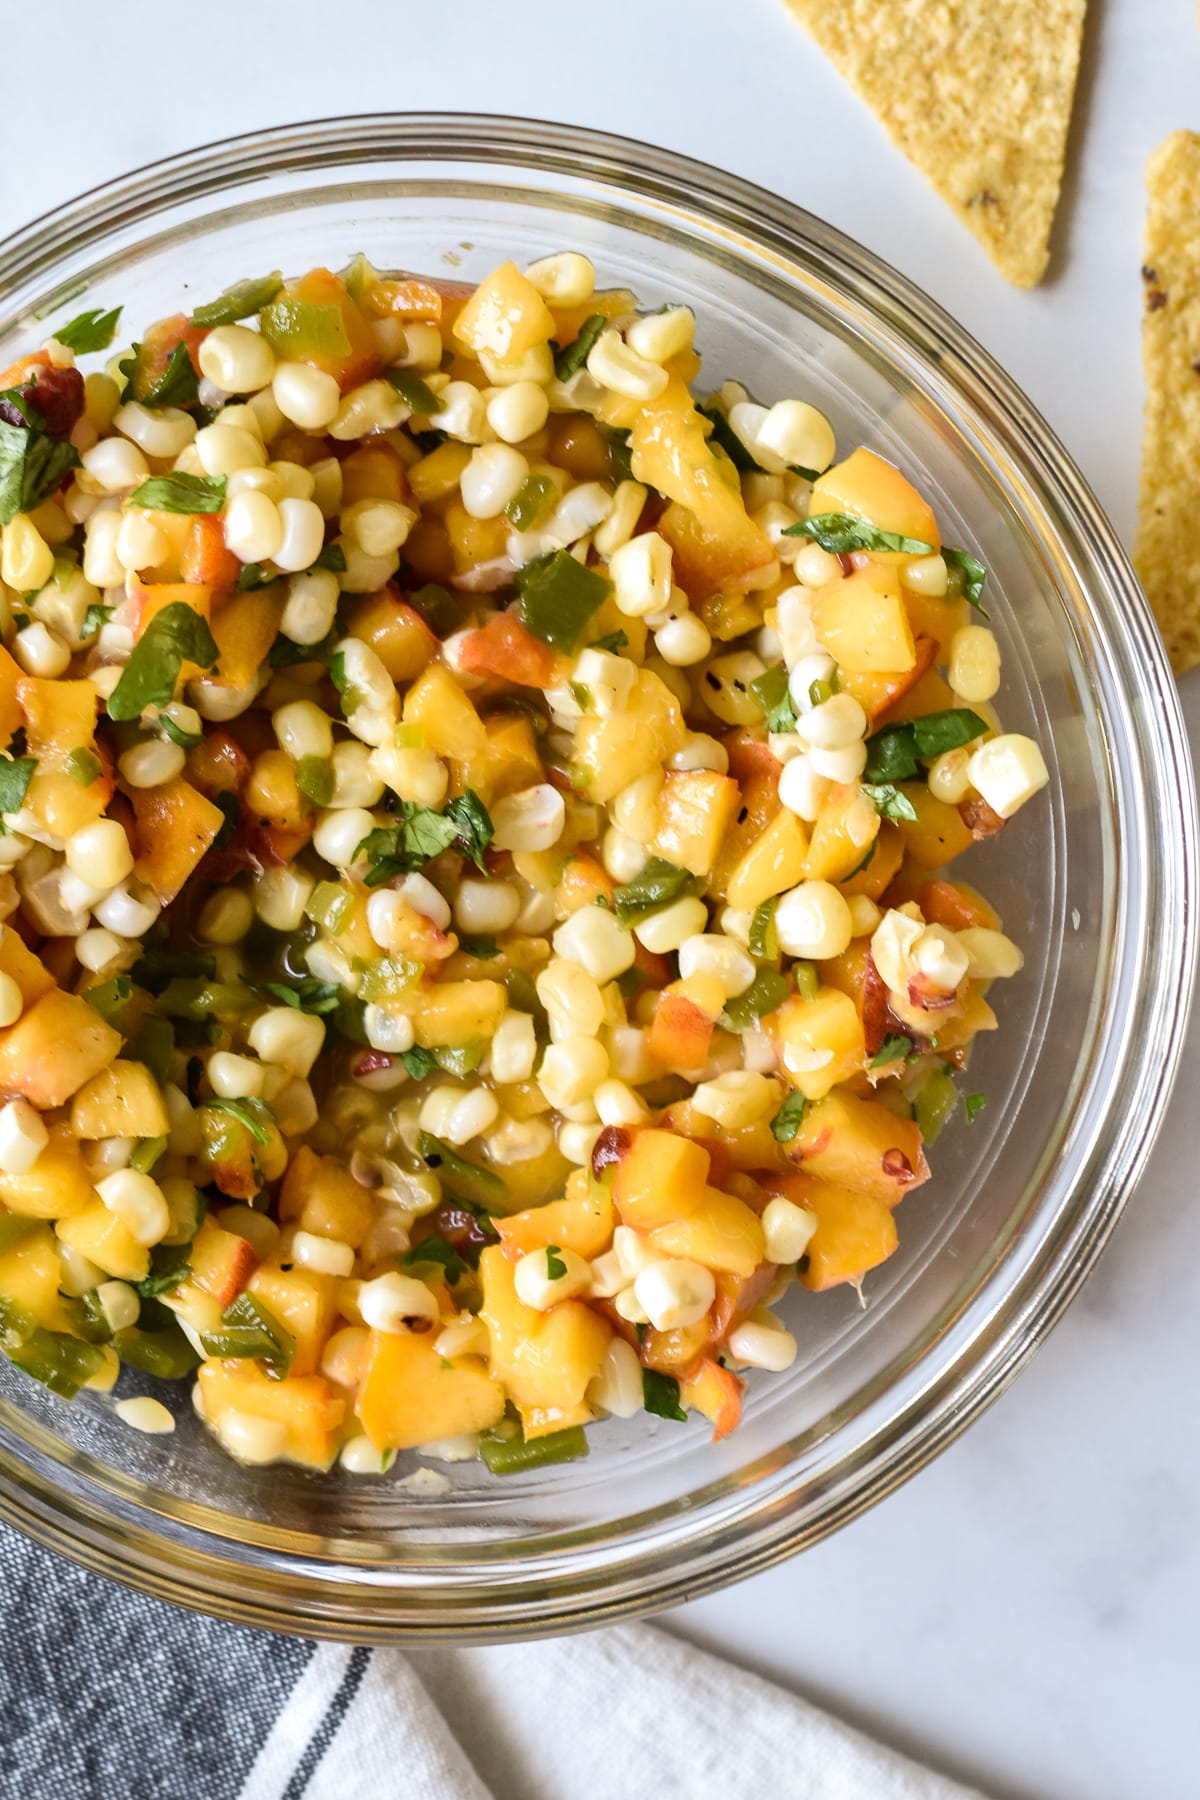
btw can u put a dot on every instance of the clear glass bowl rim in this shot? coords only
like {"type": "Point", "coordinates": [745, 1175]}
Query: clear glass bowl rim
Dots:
{"type": "Point", "coordinates": [573, 1590]}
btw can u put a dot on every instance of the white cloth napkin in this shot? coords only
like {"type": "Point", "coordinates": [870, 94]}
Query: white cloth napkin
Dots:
{"type": "Point", "coordinates": [627, 1711]}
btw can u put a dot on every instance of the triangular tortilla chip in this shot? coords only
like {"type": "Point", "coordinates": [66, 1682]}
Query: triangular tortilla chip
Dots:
{"type": "Point", "coordinates": [977, 93]}
{"type": "Point", "coordinates": [1167, 547]}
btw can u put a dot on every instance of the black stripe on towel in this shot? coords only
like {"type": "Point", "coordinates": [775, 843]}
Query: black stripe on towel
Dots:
{"type": "Point", "coordinates": [326, 1731]}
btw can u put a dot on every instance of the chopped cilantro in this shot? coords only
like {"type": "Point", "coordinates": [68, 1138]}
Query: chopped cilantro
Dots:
{"type": "Point", "coordinates": [789, 1118]}
{"type": "Point", "coordinates": [840, 533]}
{"type": "Point", "coordinates": [660, 1395]}
{"type": "Point", "coordinates": [176, 635]}
{"type": "Point", "coordinates": [555, 1266]}
{"type": "Point", "coordinates": [89, 331]}
{"type": "Point", "coordinates": [181, 493]}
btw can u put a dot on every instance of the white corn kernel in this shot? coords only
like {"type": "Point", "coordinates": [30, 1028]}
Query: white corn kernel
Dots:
{"type": "Point", "coordinates": [940, 957]}
{"type": "Point", "coordinates": [708, 953]}
{"type": "Point", "coordinates": [235, 1077]}
{"type": "Point", "coordinates": [152, 763]}
{"type": "Point", "coordinates": [280, 896]}
{"type": "Point", "coordinates": [641, 571]}
{"type": "Point", "coordinates": [536, 1286]}
{"type": "Point", "coordinates": [592, 938]}
{"type": "Point", "coordinates": [143, 1413]}
{"type": "Point", "coordinates": [250, 1439]}
{"type": "Point", "coordinates": [486, 906]}
{"type": "Point", "coordinates": [571, 1070]}
{"type": "Point", "coordinates": [391, 1032]}
{"type": "Point", "coordinates": [140, 542]}
{"type": "Point", "coordinates": [623, 856]}
{"type": "Point", "coordinates": [99, 854]}
{"type": "Point", "coordinates": [470, 1115]}
{"type": "Point", "coordinates": [310, 607]}
{"type": "Point", "coordinates": [834, 724]}
{"type": "Point", "coordinates": [892, 946]}
{"type": "Point", "coordinates": [513, 1048]}
{"type": "Point", "coordinates": [787, 1230]}
{"type": "Point", "coordinates": [564, 279]}
{"type": "Point", "coordinates": [127, 913]}
{"type": "Point", "coordinates": [864, 915]}
{"type": "Point", "coordinates": [617, 367]}
{"type": "Point", "coordinates": [223, 449]}
{"type": "Point", "coordinates": [662, 335]}
{"type": "Point", "coordinates": [359, 1456]}
{"type": "Point", "coordinates": [461, 413]}
{"type": "Point", "coordinates": [762, 1346]}
{"type": "Point", "coordinates": [253, 527]}
{"type": "Point", "coordinates": [534, 364]}
{"type": "Point", "coordinates": [617, 1388]}
{"type": "Point", "coordinates": [617, 1104]}
{"type": "Point", "coordinates": [396, 1302]}
{"type": "Point", "coordinates": [974, 667]}
{"type": "Point", "coordinates": [796, 434]}
{"type": "Point", "coordinates": [226, 916]}
{"type": "Point", "coordinates": [119, 1304]}
{"type": "Point", "coordinates": [295, 1108]}
{"type": "Point", "coordinates": [493, 477]}
{"type": "Point", "coordinates": [288, 1038]}
{"type": "Point", "coordinates": [114, 465]}
{"type": "Point", "coordinates": [237, 359]}
{"type": "Point", "coordinates": [422, 348]}
{"type": "Point", "coordinates": [23, 1137]}
{"type": "Point", "coordinates": [530, 820]}
{"type": "Point", "coordinates": [572, 999]}
{"type": "Point", "coordinates": [843, 766]}
{"type": "Point", "coordinates": [675, 1293]}
{"type": "Point", "coordinates": [378, 527]}
{"type": "Point", "coordinates": [163, 432]}
{"type": "Point", "coordinates": [355, 782]}
{"type": "Point", "coordinates": [373, 406]}
{"type": "Point", "coordinates": [608, 680]}
{"type": "Point", "coordinates": [622, 521]}
{"type": "Point", "coordinates": [323, 1255]}
{"type": "Point", "coordinates": [666, 930]}
{"type": "Point", "coordinates": [950, 777]}
{"type": "Point", "coordinates": [417, 891]}
{"type": "Point", "coordinates": [303, 729]}
{"type": "Point", "coordinates": [991, 956]}
{"type": "Point", "coordinates": [307, 397]}
{"type": "Point", "coordinates": [925, 575]}
{"type": "Point", "coordinates": [40, 651]}
{"type": "Point", "coordinates": [517, 412]}
{"type": "Point", "coordinates": [683, 641]}
{"type": "Point", "coordinates": [138, 1202]}
{"type": "Point", "coordinates": [813, 921]}
{"type": "Point", "coordinates": [700, 751]}
{"type": "Point", "coordinates": [1007, 771]}
{"type": "Point", "coordinates": [303, 533]}
{"type": "Point", "coordinates": [12, 1002]}
{"type": "Point", "coordinates": [739, 1097]}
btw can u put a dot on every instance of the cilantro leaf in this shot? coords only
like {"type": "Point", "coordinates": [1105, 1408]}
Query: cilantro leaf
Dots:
{"type": "Point", "coordinates": [974, 1104]}
{"type": "Point", "coordinates": [474, 825]}
{"type": "Point", "coordinates": [764, 940]}
{"type": "Point", "coordinates": [893, 1048]}
{"type": "Point", "coordinates": [483, 946]}
{"type": "Point", "coordinates": [174, 636]}
{"type": "Point", "coordinates": [423, 834]}
{"type": "Point", "coordinates": [180, 493]}
{"type": "Point", "coordinates": [555, 1266]}
{"type": "Point", "coordinates": [789, 1118]}
{"type": "Point", "coordinates": [967, 576]}
{"type": "Point", "coordinates": [248, 1112]}
{"type": "Point", "coordinates": [170, 1264]}
{"type": "Point", "coordinates": [889, 802]}
{"type": "Point", "coordinates": [727, 439]}
{"type": "Point", "coordinates": [305, 993]}
{"type": "Point", "coordinates": [187, 740]}
{"type": "Point", "coordinates": [437, 1249]}
{"type": "Point", "coordinates": [178, 385]}
{"type": "Point", "coordinates": [15, 775]}
{"type": "Point", "coordinates": [572, 356]}
{"type": "Point", "coordinates": [416, 394]}
{"type": "Point", "coordinates": [840, 533]}
{"type": "Point", "coordinates": [89, 331]}
{"type": "Point", "coordinates": [771, 695]}
{"type": "Point", "coordinates": [239, 301]}
{"type": "Point", "coordinates": [419, 1062]}
{"type": "Point", "coordinates": [32, 466]}
{"type": "Point", "coordinates": [950, 730]}
{"type": "Point", "coordinates": [660, 1395]}
{"type": "Point", "coordinates": [231, 806]}
{"type": "Point", "coordinates": [95, 617]}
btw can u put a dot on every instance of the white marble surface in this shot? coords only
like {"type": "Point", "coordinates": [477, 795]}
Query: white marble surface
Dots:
{"type": "Point", "coordinates": [1025, 1612]}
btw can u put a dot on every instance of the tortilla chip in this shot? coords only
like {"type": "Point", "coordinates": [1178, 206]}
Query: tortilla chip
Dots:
{"type": "Point", "coordinates": [977, 93]}
{"type": "Point", "coordinates": [1166, 550]}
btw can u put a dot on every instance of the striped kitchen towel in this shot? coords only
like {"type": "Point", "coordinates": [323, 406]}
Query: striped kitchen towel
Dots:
{"type": "Point", "coordinates": [105, 1695]}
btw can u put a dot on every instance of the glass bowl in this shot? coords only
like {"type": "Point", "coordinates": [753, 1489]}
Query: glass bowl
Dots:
{"type": "Point", "coordinates": [1096, 879]}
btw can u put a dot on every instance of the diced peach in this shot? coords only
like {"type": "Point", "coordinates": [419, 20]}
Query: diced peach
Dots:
{"type": "Point", "coordinates": [660, 1176]}
{"type": "Point", "coordinates": [544, 1360]}
{"type": "Point", "coordinates": [30, 1273]}
{"type": "Point", "coordinates": [877, 694]}
{"type": "Point", "coordinates": [100, 1236]}
{"type": "Point", "coordinates": [938, 834]}
{"type": "Point", "coordinates": [322, 1196]}
{"type": "Point", "coordinates": [59, 716]}
{"type": "Point", "coordinates": [806, 1029]}
{"type": "Point", "coordinates": [305, 1304]}
{"type": "Point", "coordinates": [582, 1221]}
{"type": "Point", "coordinates": [19, 963]}
{"type": "Point", "coordinates": [222, 1263]}
{"type": "Point", "coordinates": [123, 1100]}
{"type": "Point", "coordinates": [206, 561]}
{"type": "Point", "coordinates": [409, 1395]}
{"type": "Point", "coordinates": [396, 632]}
{"type": "Point", "coordinates": [583, 882]}
{"type": "Point", "coordinates": [860, 1144]}
{"type": "Point", "coordinates": [774, 862]}
{"type": "Point", "coordinates": [867, 487]}
{"type": "Point", "coordinates": [717, 1393]}
{"type": "Point", "coordinates": [956, 905]}
{"type": "Point", "coordinates": [880, 872]}
{"type": "Point", "coordinates": [721, 1232]}
{"type": "Point", "coordinates": [305, 1405]}
{"type": "Point", "coordinates": [175, 827]}
{"type": "Point", "coordinates": [505, 316]}
{"type": "Point", "coordinates": [57, 1045]}
{"type": "Point", "coordinates": [680, 1032]}
{"type": "Point", "coordinates": [436, 703]}
{"type": "Point", "coordinates": [374, 472]}
{"type": "Point", "coordinates": [11, 715]}
{"type": "Point", "coordinates": [217, 766]}
{"type": "Point", "coordinates": [505, 649]}
{"type": "Point", "coordinates": [362, 360]}
{"type": "Point", "coordinates": [855, 1233]}
{"type": "Point", "coordinates": [695, 807]}
{"type": "Point", "coordinates": [614, 750]}
{"type": "Point", "coordinates": [839, 844]}
{"type": "Point", "coordinates": [57, 1187]}
{"type": "Point", "coordinates": [861, 621]}
{"type": "Point", "coordinates": [244, 627]}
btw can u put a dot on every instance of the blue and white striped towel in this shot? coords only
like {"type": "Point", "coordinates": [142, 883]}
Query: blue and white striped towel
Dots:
{"type": "Point", "coordinates": [108, 1696]}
